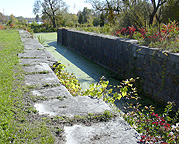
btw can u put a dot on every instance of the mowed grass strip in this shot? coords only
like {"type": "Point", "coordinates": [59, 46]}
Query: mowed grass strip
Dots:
{"type": "Point", "coordinates": [15, 124]}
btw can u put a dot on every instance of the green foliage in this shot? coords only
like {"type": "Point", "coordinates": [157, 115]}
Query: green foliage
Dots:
{"type": "Point", "coordinates": [80, 20]}
{"type": "Point", "coordinates": [137, 15]}
{"type": "Point", "coordinates": [46, 27]}
{"type": "Point", "coordinates": [67, 79]}
{"type": "Point", "coordinates": [96, 21]}
{"type": "Point", "coordinates": [102, 18]}
{"type": "Point", "coordinates": [85, 13]}
{"type": "Point", "coordinates": [102, 90]}
{"type": "Point", "coordinates": [104, 30]}
{"type": "Point", "coordinates": [70, 24]}
{"type": "Point", "coordinates": [40, 39]}
{"type": "Point", "coordinates": [170, 11]}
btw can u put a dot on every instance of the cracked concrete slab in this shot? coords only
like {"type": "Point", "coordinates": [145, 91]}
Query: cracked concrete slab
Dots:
{"type": "Point", "coordinates": [33, 53]}
{"type": "Point", "coordinates": [33, 47]}
{"type": "Point", "coordinates": [32, 61]}
{"type": "Point", "coordinates": [41, 79]}
{"type": "Point", "coordinates": [116, 131]}
{"type": "Point", "coordinates": [29, 40]}
{"type": "Point", "coordinates": [72, 106]}
{"type": "Point", "coordinates": [54, 92]}
{"type": "Point", "coordinates": [40, 67]}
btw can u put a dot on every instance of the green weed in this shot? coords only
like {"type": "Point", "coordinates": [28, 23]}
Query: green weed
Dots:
{"type": "Point", "coordinates": [40, 39]}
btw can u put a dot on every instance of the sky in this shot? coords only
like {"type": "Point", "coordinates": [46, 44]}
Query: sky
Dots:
{"type": "Point", "coordinates": [25, 7]}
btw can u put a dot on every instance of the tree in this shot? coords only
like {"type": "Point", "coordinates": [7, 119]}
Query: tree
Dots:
{"type": "Point", "coordinates": [86, 12]}
{"type": "Point", "coordinates": [116, 8]}
{"type": "Point", "coordinates": [135, 13]}
{"type": "Point", "coordinates": [37, 7]}
{"type": "Point", "coordinates": [80, 19]}
{"type": "Point", "coordinates": [2, 17]}
{"type": "Point", "coordinates": [96, 21]}
{"type": "Point", "coordinates": [66, 19]}
{"type": "Point", "coordinates": [111, 7]}
{"type": "Point", "coordinates": [106, 5]}
{"type": "Point", "coordinates": [12, 19]}
{"type": "Point", "coordinates": [21, 20]}
{"type": "Point", "coordinates": [156, 6]}
{"type": "Point", "coordinates": [37, 18]}
{"type": "Point", "coordinates": [170, 11]}
{"type": "Point", "coordinates": [50, 9]}
{"type": "Point", "coordinates": [102, 17]}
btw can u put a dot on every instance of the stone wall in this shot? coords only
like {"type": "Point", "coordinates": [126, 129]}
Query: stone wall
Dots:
{"type": "Point", "coordinates": [158, 71]}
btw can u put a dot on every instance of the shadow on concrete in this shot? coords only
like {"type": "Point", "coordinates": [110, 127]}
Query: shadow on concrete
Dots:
{"type": "Point", "coordinates": [94, 70]}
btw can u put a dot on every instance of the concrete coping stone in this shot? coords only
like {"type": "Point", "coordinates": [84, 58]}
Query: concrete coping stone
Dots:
{"type": "Point", "coordinates": [41, 79]}
{"type": "Point", "coordinates": [72, 106]}
{"type": "Point", "coordinates": [116, 131]}
{"type": "Point", "coordinates": [174, 57]}
{"type": "Point", "coordinates": [52, 92]}
{"type": "Point", "coordinates": [162, 54]}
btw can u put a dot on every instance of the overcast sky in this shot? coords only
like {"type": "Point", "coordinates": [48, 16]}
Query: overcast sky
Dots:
{"type": "Point", "coordinates": [25, 7]}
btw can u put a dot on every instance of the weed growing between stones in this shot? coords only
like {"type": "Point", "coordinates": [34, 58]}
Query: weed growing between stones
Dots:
{"type": "Point", "coordinates": [40, 72]}
{"type": "Point", "coordinates": [28, 57]}
{"type": "Point", "coordinates": [41, 39]}
{"type": "Point", "coordinates": [38, 98]}
{"type": "Point", "coordinates": [26, 65]}
{"type": "Point", "coordinates": [88, 119]}
{"type": "Point", "coordinates": [50, 85]}
{"type": "Point", "coordinates": [154, 128]}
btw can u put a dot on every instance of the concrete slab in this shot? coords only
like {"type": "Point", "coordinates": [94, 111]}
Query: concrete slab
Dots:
{"type": "Point", "coordinates": [116, 131]}
{"type": "Point", "coordinates": [71, 106]}
{"type": "Point", "coordinates": [33, 46]}
{"type": "Point", "coordinates": [54, 92]}
{"type": "Point", "coordinates": [41, 79]}
{"type": "Point", "coordinates": [36, 56]}
{"type": "Point", "coordinates": [23, 33]}
{"type": "Point", "coordinates": [49, 56]}
{"type": "Point", "coordinates": [41, 67]}
{"type": "Point", "coordinates": [32, 53]}
{"type": "Point", "coordinates": [32, 61]}
{"type": "Point", "coordinates": [29, 41]}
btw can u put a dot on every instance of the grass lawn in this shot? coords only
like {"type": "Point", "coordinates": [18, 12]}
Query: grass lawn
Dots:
{"type": "Point", "coordinates": [17, 124]}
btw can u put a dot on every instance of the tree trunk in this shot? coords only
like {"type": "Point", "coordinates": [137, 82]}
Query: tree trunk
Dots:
{"type": "Point", "coordinates": [151, 18]}
{"type": "Point", "coordinates": [53, 22]}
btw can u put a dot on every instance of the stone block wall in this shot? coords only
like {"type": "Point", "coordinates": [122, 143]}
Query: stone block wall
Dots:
{"type": "Point", "coordinates": [158, 71]}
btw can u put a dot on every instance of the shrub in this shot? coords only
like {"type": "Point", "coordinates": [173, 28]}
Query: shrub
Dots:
{"type": "Point", "coordinates": [165, 37]}
{"type": "Point", "coordinates": [1, 27]}
{"type": "Point", "coordinates": [105, 30]}
{"type": "Point", "coordinates": [154, 128]}
{"type": "Point", "coordinates": [37, 28]}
